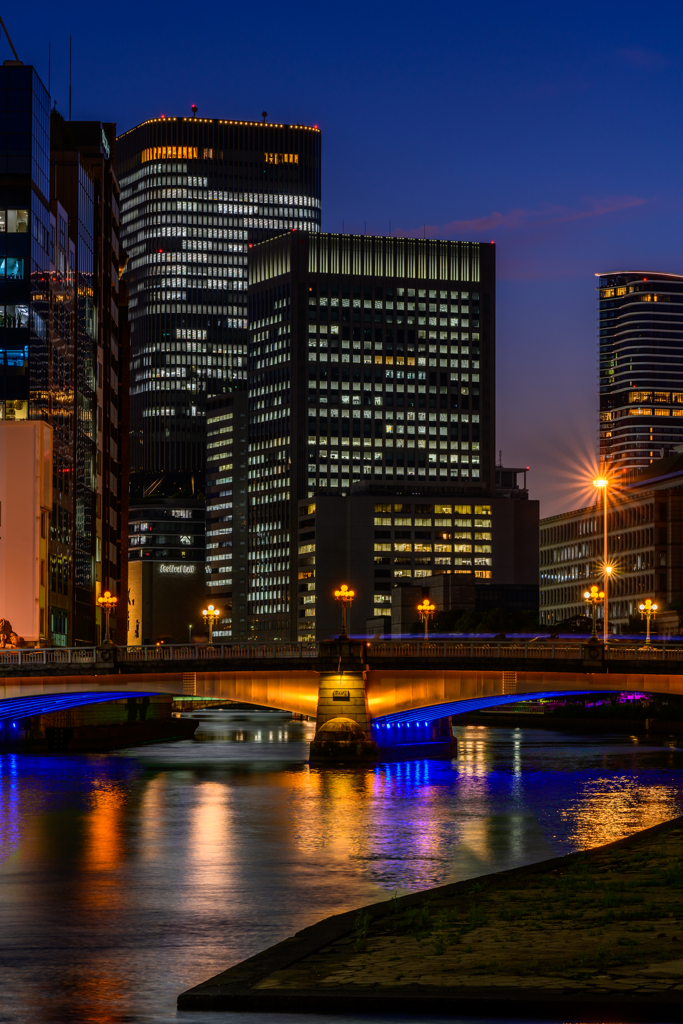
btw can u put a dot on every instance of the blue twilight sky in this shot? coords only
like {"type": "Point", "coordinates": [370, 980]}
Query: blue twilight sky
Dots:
{"type": "Point", "coordinates": [553, 129]}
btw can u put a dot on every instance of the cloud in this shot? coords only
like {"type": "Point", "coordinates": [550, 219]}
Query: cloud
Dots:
{"type": "Point", "coordinates": [519, 218]}
{"type": "Point", "coordinates": [650, 60]}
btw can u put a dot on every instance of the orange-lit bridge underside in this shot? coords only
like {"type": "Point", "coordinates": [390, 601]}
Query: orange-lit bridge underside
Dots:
{"type": "Point", "coordinates": [388, 691]}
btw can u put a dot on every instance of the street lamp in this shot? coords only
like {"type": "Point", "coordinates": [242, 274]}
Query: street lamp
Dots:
{"type": "Point", "coordinates": [344, 596]}
{"type": "Point", "coordinates": [602, 484]}
{"type": "Point", "coordinates": [426, 610]}
{"type": "Point", "coordinates": [647, 612]}
{"type": "Point", "coordinates": [210, 617]}
{"type": "Point", "coordinates": [107, 603]}
{"type": "Point", "coordinates": [594, 597]}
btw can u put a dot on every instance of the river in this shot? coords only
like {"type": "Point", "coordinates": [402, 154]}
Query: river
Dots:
{"type": "Point", "coordinates": [127, 878]}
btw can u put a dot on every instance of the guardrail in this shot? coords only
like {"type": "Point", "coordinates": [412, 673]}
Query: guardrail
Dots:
{"type": "Point", "coordinates": [162, 653]}
{"type": "Point", "coordinates": [451, 649]}
{"type": "Point", "coordinates": [49, 656]}
{"type": "Point", "coordinates": [218, 652]}
{"type": "Point", "coordinates": [579, 651]}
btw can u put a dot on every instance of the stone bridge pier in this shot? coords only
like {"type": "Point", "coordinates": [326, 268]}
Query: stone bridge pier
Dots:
{"type": "Point", "coordinates": [343, 723]}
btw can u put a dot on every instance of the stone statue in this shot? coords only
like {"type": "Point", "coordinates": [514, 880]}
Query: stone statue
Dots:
{"type": "Point", "coordinates": [8, 638]}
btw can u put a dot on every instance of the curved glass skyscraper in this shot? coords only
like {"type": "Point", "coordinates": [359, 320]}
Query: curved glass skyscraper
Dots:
{"type": "Point", "coordinates": [195, 193]}
{"type": "Point", "coordinates": [641, 367]}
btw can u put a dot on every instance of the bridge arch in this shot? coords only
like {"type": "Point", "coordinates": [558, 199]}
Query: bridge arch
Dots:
{"type": "Point", "coordinates": [42, 704]}
{"type": "Point", "coordinates": [459, 707]}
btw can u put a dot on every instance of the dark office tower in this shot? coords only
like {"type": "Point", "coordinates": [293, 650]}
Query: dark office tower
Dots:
{"type": "Point", "coordinates": [227, 530]}
{"type": "Point", "coordinates": [83, 170]}
{"type": "Point", "coordinates": [58, 326]}
{"type": "Point", "coordinates": [371, 361]}
{"type": "Point", "coordinates": [641, 367]}
{"type": "Point", "coordinates": [195, 192]}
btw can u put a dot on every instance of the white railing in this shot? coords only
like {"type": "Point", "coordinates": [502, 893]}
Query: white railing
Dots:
{"type": "Point", "coordinates": [48, 656]}
{"type": "Point", "coordinates": [219, 652]}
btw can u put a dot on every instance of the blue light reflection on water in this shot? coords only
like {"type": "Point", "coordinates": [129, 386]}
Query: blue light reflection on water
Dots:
{"type": "Point", "coordinates": [127, 879]}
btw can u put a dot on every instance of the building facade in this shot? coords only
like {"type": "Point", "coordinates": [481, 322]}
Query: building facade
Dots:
{"type": "Point", "coordinates": [84, 181]}
{"type": "Point", "coordinates": [645, 543]}
{"type": "Point", "coordinates": [166, 570]}
{"type": "Point", "coordinates": [382, 536]}
{"type": "Point", "coordinates": [26, 504]}
{"type": "Point", "coordinates": [640, 368]}
{"type": "Point", "coordinates": [196, 191]}
{"type": "Point", "coordinates": [370, 359]}
{"type": "Point", "coordinates": [227, 529]}
{"type": "Point", "coordinates": [59, 297]}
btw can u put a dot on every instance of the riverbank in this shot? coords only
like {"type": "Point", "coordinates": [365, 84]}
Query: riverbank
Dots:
{"type": "Point", "coordinates": [597, 933]}
{"type": "Point", "coordinates": [579, 723]}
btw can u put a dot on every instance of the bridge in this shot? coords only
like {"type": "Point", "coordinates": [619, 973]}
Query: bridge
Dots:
{"type": "Point", "coordinates": [382, 685]}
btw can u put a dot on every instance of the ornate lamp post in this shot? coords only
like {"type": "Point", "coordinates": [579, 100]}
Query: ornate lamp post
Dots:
{"type": "Point", "coordinates": [426, 610]}
{"type": "Point", "coordinates": [107, 603]}
{"type": "Point", "coordinates": [345, 597]}
{"type": "Point", "coordinates": [210, 615]}
{"type": "Point", "coordinates": [594, 597]}
{"type": "Point", "coordinates": [647, 612]}
{"type": "Point", "coordinates": [602, 484]}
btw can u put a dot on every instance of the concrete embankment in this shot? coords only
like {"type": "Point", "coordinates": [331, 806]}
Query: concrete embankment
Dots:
{"type": "Point", "coordinates": [95, 728]}
{"type": "Point", "coordinates": [571, 723]}
{"type": "Point", "coordinates": [596, 936]}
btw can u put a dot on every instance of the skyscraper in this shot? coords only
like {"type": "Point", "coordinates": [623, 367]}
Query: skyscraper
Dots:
{"type": "Point", "coordinates": [227, 521]}
{"type": "Point", "coordinates": [59, 334]}
{"type": "Point", "coordinates": [641, 367]}
{"type": "Point", "coordinates": [195, 192]}
{"type": "Point", "coordinates": [371, 360]}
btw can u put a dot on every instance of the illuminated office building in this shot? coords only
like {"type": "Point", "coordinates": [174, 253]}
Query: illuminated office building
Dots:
{"type": "Point", "coordinates": [195, 192]}
{"type": "Point", "coordinates": [227, 529]}
{"type": "Point", "coordinates": [371, 364]}
{"type": "Point", "coordinates": [641, 368]}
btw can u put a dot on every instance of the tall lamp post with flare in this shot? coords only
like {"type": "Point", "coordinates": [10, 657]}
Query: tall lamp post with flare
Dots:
{"type": "Point", "coordinates": [602, 483]}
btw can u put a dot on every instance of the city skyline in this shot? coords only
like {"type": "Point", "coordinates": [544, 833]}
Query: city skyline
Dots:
{"type": "Point", "coordinates": [501, 138]}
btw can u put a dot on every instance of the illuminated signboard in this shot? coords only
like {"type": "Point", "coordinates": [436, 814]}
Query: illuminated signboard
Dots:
{"type": "Point", "coordinates": [168, 568]}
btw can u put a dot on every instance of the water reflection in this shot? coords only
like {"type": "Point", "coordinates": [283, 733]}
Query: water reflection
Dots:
{"type": "Point", "coordinates": [129, 878]}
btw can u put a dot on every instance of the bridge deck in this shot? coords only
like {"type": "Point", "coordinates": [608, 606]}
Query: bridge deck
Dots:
{"type": "Point", "coordinates": [398, 676]}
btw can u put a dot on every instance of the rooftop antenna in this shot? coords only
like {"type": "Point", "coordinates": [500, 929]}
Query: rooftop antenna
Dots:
{"type": "Point", "coordinates": [194, 109]}
{"type": "Point", "coordinates": [10, 42]}
{"type": "Point", "coordinates": [500, 458]}
{"type": "Point", "coordinates": [264, 114]}
{"type": "Point", "coordinates": [69, 77]}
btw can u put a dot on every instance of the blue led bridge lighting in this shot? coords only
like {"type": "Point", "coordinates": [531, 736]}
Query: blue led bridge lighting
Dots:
{"type": "Point", "coordinates": [421, 716]}
{"type": "Point", "coordinates": [24, 707]}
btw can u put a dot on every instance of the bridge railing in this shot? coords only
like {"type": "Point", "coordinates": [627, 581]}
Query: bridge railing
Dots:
{"type": "Point", "coordinates": [48, 656]}
{"type": "Point", "coordinates": [218, 652]}
{"type": "Point", "coordinates": [452, 649]}
{"type": "Point", "coordinates": [561, 650]}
